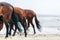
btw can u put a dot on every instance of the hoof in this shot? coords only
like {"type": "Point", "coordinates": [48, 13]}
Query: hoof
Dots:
{"type": "Point", "coordinates": [34, 32]}
{"type": "Point", "coordinates": [25, 35]}
{"type": "Point", "coordinates": [20, 34]}
{"type": "Point", "coordinates": [9, 34]}
{"type": "Point", "coordinates": [6, 36]}
{"type": "Point", "coordinates": [13, 35]}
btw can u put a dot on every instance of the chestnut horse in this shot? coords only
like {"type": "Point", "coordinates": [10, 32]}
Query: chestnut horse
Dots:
{"type": "Point", "coordinates": [29, 15]}
{"type": "Point", "coordinates": [6, 15]}
{"type": "Point", "coordinates": [22, 20]}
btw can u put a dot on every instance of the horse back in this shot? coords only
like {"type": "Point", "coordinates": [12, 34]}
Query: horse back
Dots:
{"type": "Point", "coordinates": [30, 13]}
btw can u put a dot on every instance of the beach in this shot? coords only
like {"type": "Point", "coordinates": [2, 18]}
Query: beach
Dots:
{"type": "Point", "coordinates": [32, 37]}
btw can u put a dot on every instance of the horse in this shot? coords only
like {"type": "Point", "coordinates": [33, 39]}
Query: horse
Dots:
{"type": "Point", "coordinates": [22, 20]}
{"type": "Point", "coordinates": [6, 14]}
{"type": "Point", "coordinates": [29, 15]}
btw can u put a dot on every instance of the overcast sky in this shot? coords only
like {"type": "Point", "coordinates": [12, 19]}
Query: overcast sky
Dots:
{"type": "Point", "coordinates": [42, 7]}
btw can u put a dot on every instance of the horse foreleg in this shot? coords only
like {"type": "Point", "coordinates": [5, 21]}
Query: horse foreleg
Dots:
{"type": "Point", "coordinates": [6, 30]}
{"type": "Point", "coordinates": [11, 26]}
{"type": "Point", "coordinates": [24, 26]}
{"type": "Point", "coordinates": [10, 31]}
{"type": "Point", "coordinates": [25, 32]}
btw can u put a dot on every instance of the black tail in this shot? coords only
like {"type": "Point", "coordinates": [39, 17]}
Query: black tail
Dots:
{"type": "Point", "coordinates": [37, 23]}
{"type": "Point", "coordinates": [13, 10]}
{"type": "Point", "coordinates": [16, 20]}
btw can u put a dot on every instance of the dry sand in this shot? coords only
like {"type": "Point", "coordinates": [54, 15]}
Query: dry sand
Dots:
{"type": "Point", "coordinates": [32, 37]}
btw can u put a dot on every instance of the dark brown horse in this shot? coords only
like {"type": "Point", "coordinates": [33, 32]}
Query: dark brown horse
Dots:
{"type": "Point", "coordinates": [24, 14]}
{"type": "Point", "coordinates": [22, 20]}
{"type": "Point", "coordinates": [6, 15]}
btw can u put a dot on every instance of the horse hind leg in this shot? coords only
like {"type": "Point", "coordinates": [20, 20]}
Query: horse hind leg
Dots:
{"type": "Point", "coordinates": [14, 31]}
{"type": "Point", "coordinates": [33, 27]}
{"type": "Point", "coordinates": [10, 31]}
{"type": "Point", "coordinates": [24, 26]}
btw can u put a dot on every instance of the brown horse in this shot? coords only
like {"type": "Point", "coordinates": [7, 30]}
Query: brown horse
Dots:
{"type": "Point", "coordinates": [22, 20]}
{"type": "Point", "coordinates": [29, 15]}
{"type": "Point", "coordinates": [6, 14]}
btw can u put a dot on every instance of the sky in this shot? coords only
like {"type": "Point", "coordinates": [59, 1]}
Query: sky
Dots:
{"type": "Point", "coordinates": [41, 7]}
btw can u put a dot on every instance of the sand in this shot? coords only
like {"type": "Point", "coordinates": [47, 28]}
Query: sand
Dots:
{"type": "Point", "coordinates": [32, 37]}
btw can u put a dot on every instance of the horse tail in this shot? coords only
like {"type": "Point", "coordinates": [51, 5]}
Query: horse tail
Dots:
{"type": "Point", "coordinates": [37, 23]}
{"type": "Point", "coordinates": [13, 10]}
{"type": "Point", "coordinates": [16, 20]}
